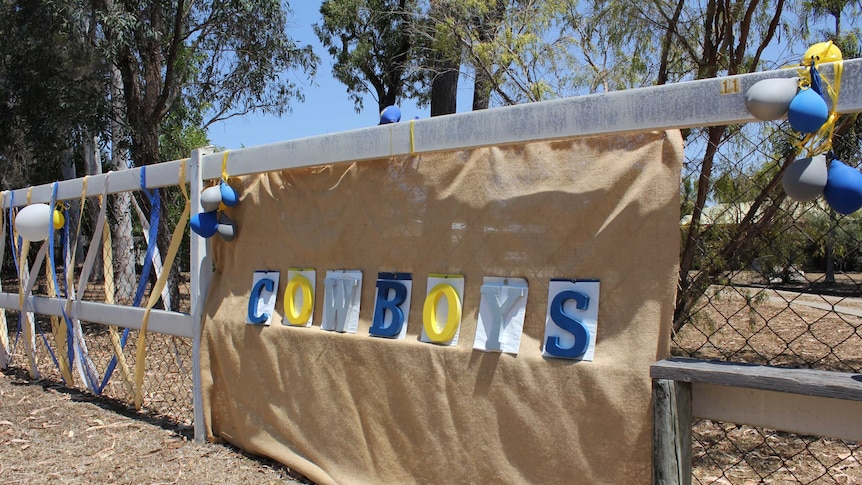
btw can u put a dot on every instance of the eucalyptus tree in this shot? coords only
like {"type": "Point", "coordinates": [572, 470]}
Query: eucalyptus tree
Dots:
{"type": "Point", "coordinates": [372, 45]}
{"type": "Point", "coordinates": [52, 87]}
{"type": "Point", "coordinates": [224, 58]}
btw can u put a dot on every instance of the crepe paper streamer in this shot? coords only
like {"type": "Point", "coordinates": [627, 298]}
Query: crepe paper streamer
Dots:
{"type": "Point", "coordinates": [807, 112]}
{"type": "Point", "coordinates": [224, 175]}
{"type": "Point", "coordinates": [176, 239]}
{"type": "Point", "coordinates": [261, 285]}
{"type": "Point", "coordinates": [298, 316]}
{"type": "Point", "coordinates": [226, 228]}
{"type": "Point", "coordinates": [25, 318]}
{"type": "Point", "coordinates": [157, 257]}
{"type": "Point", "coordinates": [152, 234]}
{"type": "Point", "coordinates": [770, 99]}
{"type": "Point", "coordinates": [412, 136]}
{"type": "Point", "coordinates": [87, 371]}
{"type": "Point", "coordinates": [429, 313]}
{"type": "Point", "coordinates": [805, 178]}
{"type": "Point", "coordinates": [110, 289]}
{"type": "Point", "coordinates": [5, 353]}
{"type": "Point", "coordinates": [53, 287]}
{"type": "Point", "coordinates": [843, 190]}
{"type": "Point", "coordinates": [210, 198]}
{"type": "Point", "coordinates": [229, 197]}
{"type": "Point", "coordinates": [569, 324]}
{"type": "Point", "coordinates": [393, 306]}
{"type": "Point", "coordinates": [205, 224]}
{"type": "Point", "coordinates": [390, 114]}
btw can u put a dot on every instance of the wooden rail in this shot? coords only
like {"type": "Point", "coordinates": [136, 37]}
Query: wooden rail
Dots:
{"type": "Point", "coordinates": [802, 401]}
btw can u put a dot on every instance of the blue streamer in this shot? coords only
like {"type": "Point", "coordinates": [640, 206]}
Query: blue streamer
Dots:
{"type": "Point", "coordinates": [155, 211]}
{"type": "Point", "coordinates": [70, 331]}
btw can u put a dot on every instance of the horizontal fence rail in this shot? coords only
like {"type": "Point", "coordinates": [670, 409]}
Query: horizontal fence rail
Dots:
{"type": "Point", "coordinates": [683, 105]}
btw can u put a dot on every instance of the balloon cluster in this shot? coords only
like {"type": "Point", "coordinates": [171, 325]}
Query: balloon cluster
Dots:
{"type": "Point", "coordinates": [213, 219]}
{"type": "Point", "coordinates": [805, 101]}
{"type": "Point", "coordinates": [35, 221]}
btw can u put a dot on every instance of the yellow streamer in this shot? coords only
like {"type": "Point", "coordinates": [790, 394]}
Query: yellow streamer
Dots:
{"type": "Point", "coordinates": [224, 165]}
{"type": "Point", "coordinates": [821, 141]}
{"type": "Point", "coordinates": [110, 298]}
{"type": "Point", "coordinates": [412, 137]}
{"type": "Point", "coordinates": [176, 239]}
{"type": "Point", "coordinates": [59, 332]}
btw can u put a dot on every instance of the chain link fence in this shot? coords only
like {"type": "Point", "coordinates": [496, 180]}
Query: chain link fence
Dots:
{"type": "Point", "coordinates": [766, 280]}
{"type": "Point", "coordinates": [123, 275]}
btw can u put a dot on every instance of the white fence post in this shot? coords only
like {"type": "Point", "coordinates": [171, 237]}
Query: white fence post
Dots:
{"type": "Point", "coordinates": [201, 275]}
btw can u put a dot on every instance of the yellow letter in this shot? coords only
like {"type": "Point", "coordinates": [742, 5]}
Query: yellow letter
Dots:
{"type": "Point", "coordinates": [298, 316]}
{"type": "Point", "coordinates": [429, 313]}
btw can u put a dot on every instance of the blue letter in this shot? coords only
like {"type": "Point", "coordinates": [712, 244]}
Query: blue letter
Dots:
{"type": "Point", "coordinates": [378, 323]}
{"type": "Point", "coordinates": [569, 324]}
{"type": "Point", "coordinates": [262, 284]}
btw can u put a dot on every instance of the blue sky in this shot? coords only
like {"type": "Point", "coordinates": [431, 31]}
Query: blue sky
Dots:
{"type": "Point", "coordinates": [327, 107]}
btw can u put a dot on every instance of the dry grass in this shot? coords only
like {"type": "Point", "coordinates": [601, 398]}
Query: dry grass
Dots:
{"type": "Point", "coordinates": [782, 327]}
{"type": "Point", "coordinates": [53, 434]}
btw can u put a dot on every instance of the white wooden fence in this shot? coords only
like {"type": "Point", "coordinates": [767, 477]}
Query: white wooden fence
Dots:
{"type": "Point", "coordinates": [741, 394]}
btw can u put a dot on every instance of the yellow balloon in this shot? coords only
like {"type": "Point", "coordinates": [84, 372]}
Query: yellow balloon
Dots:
{"type": "Point", "coordinates": [59, 220]}
{"type": "Point", "coordinates": [822, 52]}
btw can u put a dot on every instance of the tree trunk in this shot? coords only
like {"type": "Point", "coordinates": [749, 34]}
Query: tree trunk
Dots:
{"type": "Point", "coordinates": [125, 279]}
{"type": "Point", "coordinates": [444, 89]}
{"type": "Point", "coordinates": [482, 90]}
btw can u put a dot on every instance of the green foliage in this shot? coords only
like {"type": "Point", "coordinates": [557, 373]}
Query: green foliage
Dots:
{"type": "Point", "coordinates": [52, 85]}
{"type": "Point", "coordinates": [371, 42]}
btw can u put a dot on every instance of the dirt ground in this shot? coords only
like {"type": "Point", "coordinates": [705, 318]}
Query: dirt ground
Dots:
{"type": "Point", "coordinates": [52, 434]}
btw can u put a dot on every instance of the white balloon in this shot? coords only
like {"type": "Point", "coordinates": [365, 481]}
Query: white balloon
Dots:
{"type": "Point", "coordinates": [211, 198]}
{"type": "Point", "coordinates": [769, 99]}
{"type": "Point", "coordinates": [805, 178]}
{"type": "Point", "coordinates": [226, 229]}
{"type": "Point", "coordinates": [34, 221]}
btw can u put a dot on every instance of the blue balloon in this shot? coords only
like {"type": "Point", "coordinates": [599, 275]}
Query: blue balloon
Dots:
{"type": "Point", "coordinates": [229, 197]}
{"type": "Point", "coordinates": [843, 189]}
{"type": "Point", "coordinates": [807, 112]}
{"type": "Point", "coordinates": [204, 224]}
{"type": "Point", "coordinates": [390, 114]}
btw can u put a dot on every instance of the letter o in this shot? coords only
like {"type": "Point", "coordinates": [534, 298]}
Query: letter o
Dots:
{"type": "Point", "coordinates": [298, 316]}
{"type": "Point", "coordinates": [429, 313]}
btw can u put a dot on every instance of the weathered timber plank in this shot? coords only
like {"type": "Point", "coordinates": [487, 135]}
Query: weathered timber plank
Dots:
{"type": "Point", "coordinates": [671, 432]}
{"type": "Point", "coordinates": [809, 382]}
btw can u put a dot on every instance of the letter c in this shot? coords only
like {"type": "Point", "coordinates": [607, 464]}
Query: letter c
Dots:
{"type": "Point", "coordinates": [262, 284]}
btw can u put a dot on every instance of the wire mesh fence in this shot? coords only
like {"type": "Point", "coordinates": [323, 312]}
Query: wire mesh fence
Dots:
{"type": "Point", "coordinates": [127, 257]}
{"type": "Point", "coordinates": [768, 280]}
